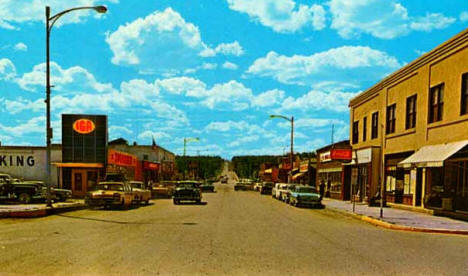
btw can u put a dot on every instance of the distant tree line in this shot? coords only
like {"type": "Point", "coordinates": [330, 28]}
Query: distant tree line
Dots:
{"type": "Point", "coordinates": [199, 167]}
{"type": "Point", "coordinates": [248, 166]}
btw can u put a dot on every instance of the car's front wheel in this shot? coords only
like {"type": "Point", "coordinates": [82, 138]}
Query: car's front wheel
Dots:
{"type": "Point", "coordinates": [24, 198]}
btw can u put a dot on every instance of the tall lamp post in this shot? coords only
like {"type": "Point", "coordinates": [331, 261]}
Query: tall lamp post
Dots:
{"type": "Point", "coordinates": [50, 21]}
{"type": "Point", "coordinates": [291, 157]}
{"type": "Point", "coordinates": [188, 140]}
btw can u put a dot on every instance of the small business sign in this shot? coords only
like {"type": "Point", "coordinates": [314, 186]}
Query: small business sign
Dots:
{"type": "Point", "coordinates": [341, 155]}
{"type": "Point", "coordinates": [325, 157]}
{"type": "Point", "coordinates": [121, 159]}
{"type": "Point", "coordinates": [150, 166]}
{"type": "Point", "coordinates": [84, 126]}
{"type": "Point", "coordinates": [304, 166]}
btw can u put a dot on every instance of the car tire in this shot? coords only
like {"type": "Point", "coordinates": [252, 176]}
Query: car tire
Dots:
{"type": "Point", "coordinates": [24, 198]}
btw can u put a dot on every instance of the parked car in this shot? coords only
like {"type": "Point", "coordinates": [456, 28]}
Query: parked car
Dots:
{"type": "Point", "coordinates": [305, 196]}
{"type": "Point", "coordinates": [241, 186]}
{"type": "Point", "coordinates": [274, 189]}
{"type": "Point", "coordinates": [187, 191]}
{"type": "Point", "coordinates": [109, 194]}
{"type": "Point", "coordinates": [27, 191]}
{"type": "Point", "coordinates": [141, 193]}
{"type": "Point", "coordinates": [207, 187]}
{"type": "Point", "coordinates": [266, 188]}
{"type": "Point", "coordinates": [287, 192]}
{"type": "Point", "coordinates": [257, 186]}
{"type": "Point", "coordinates": [280, 189]}
{"type": "Point", "coordinates": [165, 189]}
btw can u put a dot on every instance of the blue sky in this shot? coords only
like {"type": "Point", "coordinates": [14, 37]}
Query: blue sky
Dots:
{"type": "Point", "coordinates": [210, 69]}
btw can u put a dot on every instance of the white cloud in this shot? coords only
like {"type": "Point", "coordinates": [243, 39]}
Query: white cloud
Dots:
{"type": "Point", "coordinates": [282, 16]}
{"type": "Point", "coordinates": [162, 42]}
{"type": "Point", "coordinates": [464, 16]}
{"type": "Point", "coordinates": [381, 19]}
{"type": "Point", "coordinates": [317, 100]}
{"type": "Point", "coordinates": [233, 48]}
{"type": "Point", "coordinates": [244, 140]}
{"type": "Point", "coordinates": [7, 69]}
{"type": "Point", "coordinates": [20, 105]}
{"type": "Point", "coordinates": [231, 95]}
{"type": "Point", "coordinates": [268, 98]}
{"type": "Point", "coordinates": [227, 126]}
{"type": "Point", "coordinates": [148, 135]}
{"type": "Point", "coordinates": [347, 65]}
{"type": "Point", "coordinates": [115, 131]}
{"type": "Point", "coordinates": [33, 125]}
{"type": "Point", "coordinates": [432, 21]}
{"type": "Point", "coordinates": [230, 66]}
{"type": "Point", "coordinates": [304, 123]}
{"type": "Point", "coordinates": [17, 12]}
{"type": "Point", "coordinates": [20, 47]}
{"type": "Point", "coordinates": [82, 79]}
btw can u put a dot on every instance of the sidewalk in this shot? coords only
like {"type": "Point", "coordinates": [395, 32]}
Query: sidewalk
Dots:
{"type": "Point", "coordinates": [38, 210]}
{"type": "Point", "coordinates": [398, 219]}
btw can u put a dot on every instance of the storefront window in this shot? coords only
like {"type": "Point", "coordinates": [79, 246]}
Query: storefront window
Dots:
{"type": "Point", "coordinates": [407, 183]}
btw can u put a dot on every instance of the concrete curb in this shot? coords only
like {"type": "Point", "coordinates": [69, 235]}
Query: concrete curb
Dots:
{"type": "Point", "coordinates": [40, 212]}
{"type": "Point", "coordinates": [388, 225]}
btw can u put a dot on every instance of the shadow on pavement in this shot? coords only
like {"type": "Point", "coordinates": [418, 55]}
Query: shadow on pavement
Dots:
{"type": "Point", "coordinates": [127, 222]}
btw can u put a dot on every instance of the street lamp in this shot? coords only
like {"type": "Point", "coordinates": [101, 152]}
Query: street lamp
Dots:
{"type": "Point", "coordinates": [50, 21]}
{"type": "Point", "coordinates": [291, 157]}
{"type": "Point", "coordinates": [188, 140]}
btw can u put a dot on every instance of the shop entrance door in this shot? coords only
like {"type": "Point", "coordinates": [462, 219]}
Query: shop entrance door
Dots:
{"type": "Point", "coordinates": [79, 183]}
{"type": "Point", "coordinates": [418, 187]}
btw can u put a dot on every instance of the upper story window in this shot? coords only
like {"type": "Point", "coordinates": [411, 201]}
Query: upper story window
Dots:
{"type": "Point", "coordinates": [436, 103]}
{"type": "Point", "coordinates": [464, 95]}
{"type": "Point", "coordinates": [391, 120]}
{"type": "Point", "coordinates": [411, 112]}
{"type": "Point", "coordinates": [364, 129]}
{"type": "Point", "coordinates": [356, 132]}
{"type": "Point", "coordinates": [375, 125]}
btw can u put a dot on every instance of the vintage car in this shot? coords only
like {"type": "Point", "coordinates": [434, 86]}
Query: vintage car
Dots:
{"type": "Point", "coordinates": [164, 189]}
{"type": "Point", "coordinates": [187, 191]}
{"type": "Point", "coordinates": [266, 188]}
{"type": "Point", "coordinates": [242, 186]}
{"type": "Point", "coordinates": [108, 194]}
{"type": "Point", "coordinates": [26, 191]}
{"type": "Point", "coordinates": [305, 196]}
{"type": "Point", "coordinates": [224, 180]}
{"type": "Point", "coordinates": [207, 187]}
{"type": "Point", "coordinates": [280, 188]}
{"type": "Point", "coordinates": [141, 193]}
{"type": "Point", "coordinates": [287, 192]}
{"type": "Point", "coordinates": [257, 186]}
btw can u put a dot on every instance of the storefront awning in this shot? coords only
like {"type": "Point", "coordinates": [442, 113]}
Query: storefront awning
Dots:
{"type": "Point", "coordinates": [297, 175]}
{"type": "Point", "coordinates": [433, 156]}
{"type": "Point", "coordinates": [78, 165]}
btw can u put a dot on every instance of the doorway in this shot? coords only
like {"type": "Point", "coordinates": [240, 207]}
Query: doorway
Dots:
{"type": "Point", "coordinates": [79, 183]}
{"type": "Point", "coordinates": [418, 186]}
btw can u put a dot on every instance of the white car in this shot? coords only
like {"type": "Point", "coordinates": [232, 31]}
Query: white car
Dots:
{"type": "Point", "coordinates": [281, 188]}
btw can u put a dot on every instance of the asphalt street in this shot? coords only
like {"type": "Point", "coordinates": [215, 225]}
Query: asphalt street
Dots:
{"type": "Point", "coordinates": [233, 233]}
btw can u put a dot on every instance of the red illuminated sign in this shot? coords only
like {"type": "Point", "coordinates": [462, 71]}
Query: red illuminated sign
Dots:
{"type": "Point", "coordinates": [84, 126]}
{"type": "Point", "coordinates": [150, 166]}
{"type": "Point", "coordinates": [341, 154]}
{"type": "Point", "coordinates": [121, 159]}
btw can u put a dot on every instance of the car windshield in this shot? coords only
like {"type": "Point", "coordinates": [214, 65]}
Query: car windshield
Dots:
{"type": "Point", "coordinates": [305, 190]}
{"type": "Point", "coordinates": [110, 187]}
{"type": "Point", "coordinates": [137, 185]}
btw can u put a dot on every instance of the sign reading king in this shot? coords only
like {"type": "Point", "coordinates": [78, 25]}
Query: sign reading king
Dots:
{"type": "Point", "coordinates": [84, 126]}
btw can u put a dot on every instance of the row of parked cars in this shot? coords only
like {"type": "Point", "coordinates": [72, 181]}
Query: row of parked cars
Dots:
{"type": "Point", "coordinates": [294, 194]}
{"type": "Point", "coordinates": [27, 191]}
{"type": "Point", "coordinates": [297, 195]}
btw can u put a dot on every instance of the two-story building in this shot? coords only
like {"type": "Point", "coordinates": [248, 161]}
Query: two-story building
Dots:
{"type": "Point", "coordinates": [418, 116]}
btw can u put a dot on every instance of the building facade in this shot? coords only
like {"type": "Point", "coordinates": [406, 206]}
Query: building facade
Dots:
{"type": "Point", "coordinates": [418, 117]}
{"type": "Point", "coordinates": [334, 174]}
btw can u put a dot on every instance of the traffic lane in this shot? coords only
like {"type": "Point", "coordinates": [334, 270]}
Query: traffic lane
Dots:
{"type": "Point", "coordinates": [235, 233]}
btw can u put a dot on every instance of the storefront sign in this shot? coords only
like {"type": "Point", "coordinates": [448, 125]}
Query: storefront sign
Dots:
{"type": "Point", "coordinates": [364, 156]}
{"type": "Point", "coordinates": [304, 166]}
{"type": "Point", "coordinates": [121, 159]}
{"type": "Point", "coordinates": [84, 126]}
{"type": "Point", "coordinates": [325, 157]}
{"type": "Point", "coordinates": [150, 166]}
{"type": "Point", "coordinates": [341, 154]}
{"type": "Point", "coordinates": [16, 161]}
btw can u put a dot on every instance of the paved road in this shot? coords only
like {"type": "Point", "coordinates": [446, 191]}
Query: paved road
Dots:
{"type": "Point", "coordinates": [235, 233]}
